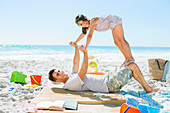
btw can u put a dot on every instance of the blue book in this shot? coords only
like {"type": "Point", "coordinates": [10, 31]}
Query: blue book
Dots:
{"type": "Point", "coordinates": [70, 104]}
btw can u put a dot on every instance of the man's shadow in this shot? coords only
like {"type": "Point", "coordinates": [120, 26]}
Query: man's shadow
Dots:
{"type": "Point", "coordinates": [89, 97]}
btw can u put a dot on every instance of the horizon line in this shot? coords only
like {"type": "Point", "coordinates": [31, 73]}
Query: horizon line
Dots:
{"type": "Point", "coordinates": [68, 45]}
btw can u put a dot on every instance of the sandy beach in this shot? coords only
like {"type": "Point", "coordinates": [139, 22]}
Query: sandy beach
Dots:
{"type": "Point", "coordinates": [12, 101]}
{"type": "Point", "coordinates": [35, 36]}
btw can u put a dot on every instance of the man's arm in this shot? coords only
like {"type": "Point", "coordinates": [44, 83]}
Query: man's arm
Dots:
{"type": "Point", "coordinates": [84, 66]}
{"type": "Point", "coordinates": [76, 59]}
{"type": "Point", "coordinates": [80, 37]}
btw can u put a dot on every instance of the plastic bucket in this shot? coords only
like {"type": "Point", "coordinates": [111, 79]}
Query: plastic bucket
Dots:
{"type": "Point", "coordinates": [125, 108]}
{"type": "Point", "coordinates": [18, 77]}
{"type": "Point", "coordinates": [36, 79]}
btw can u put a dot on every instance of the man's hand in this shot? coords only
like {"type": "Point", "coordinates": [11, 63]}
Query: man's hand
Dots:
{"type": "Point", "coordinates": [73, 44]}
{"type": "Point", "coordinates": [82, 48]}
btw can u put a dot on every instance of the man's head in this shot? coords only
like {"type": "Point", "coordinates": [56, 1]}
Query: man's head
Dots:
{"type": "Point", "coordinates": [57, 76]}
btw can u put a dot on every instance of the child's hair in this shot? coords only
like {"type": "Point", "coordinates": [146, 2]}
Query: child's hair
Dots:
{"type": "Point", "coordinates": [79, 18]}
{"type": "Point", "coordinates": [84, 30]}
{"type": "Point", "coordinates": [83, 18]}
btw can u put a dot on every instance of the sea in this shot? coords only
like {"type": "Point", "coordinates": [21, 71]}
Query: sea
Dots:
{"type": "Point", "coordinates": [66, 52]}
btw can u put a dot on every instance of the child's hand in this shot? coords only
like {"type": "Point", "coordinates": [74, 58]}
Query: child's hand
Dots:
{"type": "Point", "coordinates": [73, 44]}
{"type": "Point", "coordinates": [82, 48]}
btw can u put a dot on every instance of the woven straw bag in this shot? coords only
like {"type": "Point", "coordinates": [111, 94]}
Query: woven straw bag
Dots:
{"type": "Point", "coordinates": [156, 68]}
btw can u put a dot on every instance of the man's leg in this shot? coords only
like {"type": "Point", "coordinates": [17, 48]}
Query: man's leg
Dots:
{"type": "Point", "coordinates": [139, 77]}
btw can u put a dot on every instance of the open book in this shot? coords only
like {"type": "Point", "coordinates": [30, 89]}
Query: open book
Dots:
{"type": "Point", "coordinates": [58, 105]}
{"type": "Point", "coordinates": [54, 106]}
{"type": "Point", "coordinates": [70, 104]}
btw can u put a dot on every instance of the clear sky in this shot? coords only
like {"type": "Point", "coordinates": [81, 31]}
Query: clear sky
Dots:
{"type": "Point", "coordinates": [51, 22]}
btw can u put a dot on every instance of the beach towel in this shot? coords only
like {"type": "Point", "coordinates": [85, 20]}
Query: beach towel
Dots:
{"type": "Point", "coordinates": [134, 98]}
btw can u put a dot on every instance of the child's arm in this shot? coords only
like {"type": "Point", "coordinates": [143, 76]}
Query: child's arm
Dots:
{"type": "Point", "coordinates": [92, 28]}
{"type": "Point", "coordinates": [80, 37]}
{"type": "Point", "coordinates": [89, 37]}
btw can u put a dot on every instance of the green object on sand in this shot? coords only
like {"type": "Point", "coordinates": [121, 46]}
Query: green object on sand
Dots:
{"type": "Point", "coordinates": [18, 77]}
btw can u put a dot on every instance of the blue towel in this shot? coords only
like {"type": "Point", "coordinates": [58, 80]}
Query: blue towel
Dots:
{"type": "Point", "coordinates": [143, 95]}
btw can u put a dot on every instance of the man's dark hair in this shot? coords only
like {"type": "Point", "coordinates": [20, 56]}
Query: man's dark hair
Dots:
{"type": "Point", "coordinates": [50, 76]}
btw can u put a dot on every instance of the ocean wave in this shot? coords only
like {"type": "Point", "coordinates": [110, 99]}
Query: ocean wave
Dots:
{"type": "Point", "coordinates": [107, 57]}
{"type": "Point", "coordinates": [55, 52]}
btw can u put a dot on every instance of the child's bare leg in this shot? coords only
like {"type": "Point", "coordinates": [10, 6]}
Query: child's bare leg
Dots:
{"type": "Point", "coordinates": [122, 44]}
{"type": "Point", "coordinates": [139, 77]}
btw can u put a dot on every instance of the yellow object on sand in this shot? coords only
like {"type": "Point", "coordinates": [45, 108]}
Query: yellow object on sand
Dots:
{"type": "Point", "coordinates": [33, 86]}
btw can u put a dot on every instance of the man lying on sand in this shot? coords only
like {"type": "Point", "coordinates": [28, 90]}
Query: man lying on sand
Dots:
{"type": "Point", "coordinates": [78, 80]}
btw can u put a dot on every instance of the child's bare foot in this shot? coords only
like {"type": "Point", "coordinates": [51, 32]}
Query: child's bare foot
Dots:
{"type": "Point", "coordinates": [127, 62]}
{"type": "Point", "coordinates": [73, 44]}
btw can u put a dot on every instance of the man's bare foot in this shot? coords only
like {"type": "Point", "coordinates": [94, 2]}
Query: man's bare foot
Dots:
{"type": "Point", "coordinates": [82, 48]}
{"type": "Point", "coordinates": [151, 90]}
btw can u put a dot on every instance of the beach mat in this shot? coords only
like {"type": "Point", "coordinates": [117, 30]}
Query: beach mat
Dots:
{"type": "Point", "coordinates": [52, 93]}
{"type": "Point", "coordinates": [87, 101]}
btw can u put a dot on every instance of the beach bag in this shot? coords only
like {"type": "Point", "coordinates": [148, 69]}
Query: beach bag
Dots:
{"type": "Point", "coordinates": [156, 68]}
